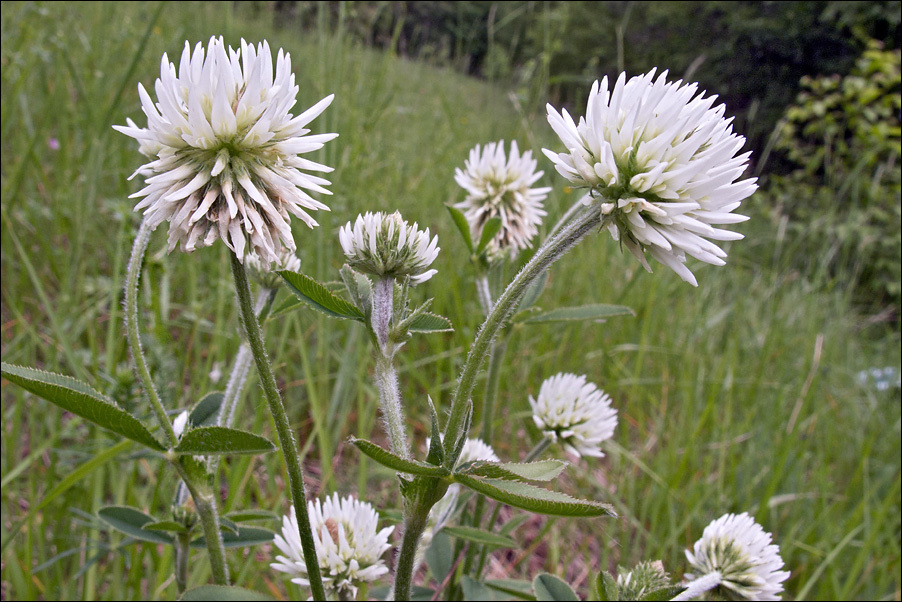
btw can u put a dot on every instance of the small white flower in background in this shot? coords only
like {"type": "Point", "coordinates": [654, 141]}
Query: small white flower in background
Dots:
{"type": "Point", "coordinates": [661, 162]}
{"type": "Point", "coordinates": [736, 554]}
{"type": "Point", "coordinates": [264, 271]}
{"type": "Point", "coordinates": [474, 449]}
{"type": "Point", "coordinates": [348, 545]}
{"type": "Point", "coordinates": [385, 245]}
{"type": "Point", "coordinates": [179, 424]}
{"type": "Point", "coordinates": [575, 413]}
{"type": "Point", "coordinates": [225, 148]}
{"type": "Point", "coordinates": [502, 187]}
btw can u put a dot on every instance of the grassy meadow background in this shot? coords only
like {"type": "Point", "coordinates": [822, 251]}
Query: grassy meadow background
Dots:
{"type": "Point", "coordinates": [741, 395]}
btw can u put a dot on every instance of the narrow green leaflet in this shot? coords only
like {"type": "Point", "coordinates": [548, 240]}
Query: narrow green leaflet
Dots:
{"type": "Point", "coordinates": [482, 537]}
{"type": "Point", "coordinates": [516, 588]}
{"type": "Point", "coordinates": [549, 587]}
{"type": "Point", "coordinates": [131, 521]}
{"type": "Point", "coordinates": [244, 516]}
{"type": "Point", "coordinates": [436, 453]}
{"type": "Point", "coordinates": [166, 525]}
{"type": "Point", "coordinates": [386, 458]}
{"type": "Point", "coordinates": [81, 399]}
{"type": "Point", "coordinates": [462, 225]}
{"type": "Point", "coordinates": [489, 230]}
{"type": "Point", "coordinates": [534, 499]}
{"type": "Point", "coordinates": [544, 470]}
{"type": "Point", "coordinates": [319, 297]}
{"type": "Point", "coordinates": [206, 412]}
{"type": "Point", "coordinates": [598, 311]}
{"type": "Point", "coordinates": [246, 536]}
{"type": "Point", "coordinates": [475, 590]}
{"type": "Point", "coordinates": [213, 440]}
{"type": "Point", "coordinates": [429, 322]}
{"type": "Point", "coordinates": [288, 305]}
{"type": "Point", "coordinates": [223, 593]}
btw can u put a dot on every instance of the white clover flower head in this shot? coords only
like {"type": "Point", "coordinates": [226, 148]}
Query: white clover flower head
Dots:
{"type": "Point", "coordinates": [348, 545]}
{"type": "Point", "coordinates": [502, 187]}
{"type": "Point", "coordinates": [660, 161]}
{"type": "Point", "coordinates": [225, 150]}
{"type": "Point", "coordinates": [575, 413]}
{"type": "Point", "coordinates": [179, 424]}
{"type": "Point", "coordinates": [264, 271]}
{"type": "Point", "coordinates": [646, 577]}
{"type": "Point", "coordinates": [740, 552]}
{"type": "Point", "coordinates": [385, 245]}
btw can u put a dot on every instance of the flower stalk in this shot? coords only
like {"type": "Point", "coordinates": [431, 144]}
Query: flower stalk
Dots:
{"type": "Point", "coordinates": [283, 426]}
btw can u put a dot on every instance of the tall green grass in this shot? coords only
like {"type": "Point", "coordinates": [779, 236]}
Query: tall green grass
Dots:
{"type": "Point", "coordinates": [740, 395]}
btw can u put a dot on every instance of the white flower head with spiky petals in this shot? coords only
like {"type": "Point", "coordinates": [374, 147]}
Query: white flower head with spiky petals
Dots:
{"type": "Point", "coordinates": [660, 162]}
{"type": "Point", "coordinates": [385, 245]}
{"type": "Point", "coordinates": [225, 150]}
{"type": "Point", "coordinates": [575, 413]}
{"type": "Point", "coordinates": [348, 545]}
{"type": "Point", "coordinates": [735, 553]}
{"type": "Point", "coordinates": [502, 187]}
{"type": "Point", "coordinates": [264, 272]}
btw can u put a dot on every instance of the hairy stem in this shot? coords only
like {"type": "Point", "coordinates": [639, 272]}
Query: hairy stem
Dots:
{"type": "Point", "coordinates": [132, 279]}
{"type": "Point", "coordinates": [182, 551]}
{"type": "Point", "coordinates": [205, 502]}
{"type": "Point", "coordinates": [283, 426]}
{"type": "Point", "coordinates": [414, 525]}
{"type": "Point", "coordinates": [571, 234]}
{"type": "Point", "coordinates": [385, 375]}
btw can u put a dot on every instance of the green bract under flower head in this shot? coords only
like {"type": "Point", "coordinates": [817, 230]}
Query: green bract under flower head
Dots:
{"type": "Point", "coordinates": [384, 245]}
{"type": "Point", "coordinates": [661, 162]}
{"type": "Point", "coordinates": [225, 148]}
{"type": "Point", "coordinates": [739, 550]}
{"type": "Point", "coordinates": [502, 187]}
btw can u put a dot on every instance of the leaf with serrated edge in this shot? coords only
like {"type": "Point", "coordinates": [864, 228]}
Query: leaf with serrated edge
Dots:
{"type": "Point", "coordinates": [223, 593]}
{"type": "Point", "coordinates": [534, 499]}
{"type": "Point", "coordinates": [206, 412]}
{"type": "Point", "coordinates": [131, 521]}
{"type": "Point", "coordinates": [386, 458]}
{"type": "Point", "coordinates": [81, 399]}
{"type": "Point", "coordinates": [482, 537]}
{"type": "Point", "coordinates": [215, 440]}
{"type": "Point", "coordinates": [319, 297]}
{"type": "Point", "coordinates": [544, 470]}
{"type": "Point", "coordinates": [489, 230]}
{"type": "Point", "coordinates": [598, 311]}
{"type": "Point", "coordinates": [246, 536]}
{"type": "Point", "coordinates": [553, 589]}
{"type": "Point", "coordinates": [427, 322]}
{"type": "Point", "coordinates": [463, 226]}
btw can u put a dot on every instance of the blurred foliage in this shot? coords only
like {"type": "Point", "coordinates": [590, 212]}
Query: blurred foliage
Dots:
{"type": "Point", "coordinates": [843, 137]}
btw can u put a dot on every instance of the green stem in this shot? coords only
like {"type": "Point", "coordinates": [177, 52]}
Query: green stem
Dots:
{"type": "Point", "coordinates": [132, 280]}
{"type": "Point", "coordinates": [551, 251]}
{"type": "Point", "coordinates": [385, 375]}
{"type": "Point", "coordinates": [496, 363]}
{"type": "Point", "coordinates": [182, 551]}
{"type": "Point", "coordinates": [205, 503]}
{"type": "Point", "coordinates": [414, 525]}
{"type": "Point", "coordinates": [283, 426]}
{"type": "Point", "coordinates": [540, 447]}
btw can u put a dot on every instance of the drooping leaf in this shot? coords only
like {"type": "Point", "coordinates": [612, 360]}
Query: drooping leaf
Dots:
{"type": "Point", "coordinates": [534, 499]}
{"type": "Point", "coordinates": [223, 593]}
{"type": "Point", "coordinates": [319, 297]}
{"type": "Point", "coordinates": [386, 458]}
{"type": "Point", "coordinates": [131, 521]}
{"type": "Point", "coordinates": [244, 516]}
{"type": "Point", "coordinates": [547, 587]}
{"type": "Point", "coordinates": [427, 322]}
{"type": "Point", "coordinates": [440, 556]}
{"type": "Point", "coordinates": [246, 536]}
{"type": "Point", "coordinates": [517, 588]}
{"type": "Point", "coordinates": [215, 440]}
{"type": "Point", "coordinates": [479, 536]}
{"type": "Point", "coordinates": [489, 230]}
{"type": "Point", "coordinates": [544, 470]}
{"type": "Point", "coordinates": [83, 400]}
{"type": "Point", "coordinates": [475, 590]}
{"type": "Point", "coordinates": [206, 412]}
{"type": "Point", "coordinates": [166, 525]}
{"type": "Point", "coordinates": [598, 311]}
{"type": "Point", "coordinates": [463, 226]}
